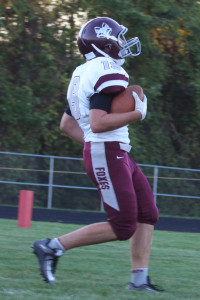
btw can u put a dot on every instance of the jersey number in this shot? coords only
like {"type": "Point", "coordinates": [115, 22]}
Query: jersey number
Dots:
{"type": "Point", "coordinates": [73, 98]}
{"type": "Point", "coordinates": [110, 65]}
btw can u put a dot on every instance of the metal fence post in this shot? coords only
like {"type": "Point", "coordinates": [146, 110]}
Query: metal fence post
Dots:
{"type": "Point", "coordinates": [101, 206]}
{"type": "Point", "coordinates": [50, 188]}
{"type": "Point", "coordinates": [155, 182]}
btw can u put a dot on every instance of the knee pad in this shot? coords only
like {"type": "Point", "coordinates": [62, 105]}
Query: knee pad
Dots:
{"type": "Point", "coordinates": [155, 216]}
{"type": "Point", "coordinates": [124, 232]}
{"type": "Point", "coordinates": [150, 218]}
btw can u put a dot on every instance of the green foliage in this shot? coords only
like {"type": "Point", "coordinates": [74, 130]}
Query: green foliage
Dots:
{"type": "Point", "coordinates": [36, 64]}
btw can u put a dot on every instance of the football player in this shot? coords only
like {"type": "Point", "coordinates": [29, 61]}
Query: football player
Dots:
{"type": "Point", "coordinates": [127, 196]}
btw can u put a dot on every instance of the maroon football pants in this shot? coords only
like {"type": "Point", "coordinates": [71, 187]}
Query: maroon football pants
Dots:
{"type": "Point", "coordinates": [124, 189]}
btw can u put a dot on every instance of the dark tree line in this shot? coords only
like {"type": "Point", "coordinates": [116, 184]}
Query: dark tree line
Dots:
{"type": "Point", "coordinates": [38, 53]}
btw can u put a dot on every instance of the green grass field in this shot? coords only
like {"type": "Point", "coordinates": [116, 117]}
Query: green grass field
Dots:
{"type": "Point", "coordinates": [96, 272]}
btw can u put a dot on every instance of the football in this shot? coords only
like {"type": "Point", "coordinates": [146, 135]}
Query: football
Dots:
{"type": "Point", "coordinates": [124, 101]}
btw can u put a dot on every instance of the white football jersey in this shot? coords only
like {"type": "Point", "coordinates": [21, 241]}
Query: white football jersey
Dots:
{"type": "Point", "coordinates": [101, 74]}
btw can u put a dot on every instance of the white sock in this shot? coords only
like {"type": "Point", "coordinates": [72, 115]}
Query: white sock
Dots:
{"type": "Point", "coordinates": [56, 244]}
{"type": "Point", "coordinates": [139, 276]}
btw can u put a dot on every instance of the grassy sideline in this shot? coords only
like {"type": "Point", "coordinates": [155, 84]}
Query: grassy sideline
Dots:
{"type": "Point", "coordinates": [96, 272]}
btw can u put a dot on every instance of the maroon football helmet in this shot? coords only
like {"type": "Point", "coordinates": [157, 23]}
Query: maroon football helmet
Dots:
{"type": "Point", "coordinates": [103, 32]}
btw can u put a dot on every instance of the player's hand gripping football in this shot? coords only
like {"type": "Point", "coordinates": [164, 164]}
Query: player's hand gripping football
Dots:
{"type": "Point", "coordinates": [140, 105]}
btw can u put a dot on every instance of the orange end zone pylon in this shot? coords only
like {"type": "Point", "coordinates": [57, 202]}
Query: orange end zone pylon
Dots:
{"type": "Point", "coordinates": [25, 208]}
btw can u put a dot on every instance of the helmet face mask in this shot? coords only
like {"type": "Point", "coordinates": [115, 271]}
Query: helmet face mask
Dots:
{"type": "Point", "coordinates": [105, 37]}
{"type": "Point", "coordinates": [126, 45]}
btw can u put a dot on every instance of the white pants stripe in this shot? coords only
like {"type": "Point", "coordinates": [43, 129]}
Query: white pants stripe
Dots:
{"type": "Point", "coordinates": [100, 169]}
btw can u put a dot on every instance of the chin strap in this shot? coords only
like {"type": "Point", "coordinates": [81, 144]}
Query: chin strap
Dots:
{"type": "Point", "coordinates": [119, 61]}
{"type": "Point", "coordinates": [92, 55]}
{"type": "Point", "coordinates": [100, 51]}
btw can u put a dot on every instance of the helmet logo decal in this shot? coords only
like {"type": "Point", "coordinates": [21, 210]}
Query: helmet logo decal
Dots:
{"type": "Point", "coordinates": [104, 31]}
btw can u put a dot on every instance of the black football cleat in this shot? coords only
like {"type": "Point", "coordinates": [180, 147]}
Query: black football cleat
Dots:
{"type": "Point", "coordinates": [47, 259]}
{"type": "Point", "coordinates": [144, 287]}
